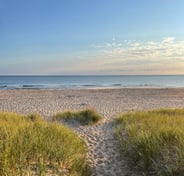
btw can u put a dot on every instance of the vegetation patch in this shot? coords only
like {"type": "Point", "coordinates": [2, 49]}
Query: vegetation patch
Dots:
{"type": "Point", "coordinates": [153, 141]}
{"type": "Point", "coordinates": [31, 146]}
{"type": "Point", "coordinates": [85, 117]}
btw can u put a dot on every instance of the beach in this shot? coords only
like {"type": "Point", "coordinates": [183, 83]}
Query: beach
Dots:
{"type": "Point", "coordinates": [103, 152]}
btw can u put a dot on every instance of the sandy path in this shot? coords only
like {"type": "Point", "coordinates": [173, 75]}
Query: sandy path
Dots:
{"type": "Point", "coordinates": [103, 152]}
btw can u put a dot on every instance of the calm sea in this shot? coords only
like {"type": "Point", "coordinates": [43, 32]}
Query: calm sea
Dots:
{"type": "Point", "coordinates": [75, 82]}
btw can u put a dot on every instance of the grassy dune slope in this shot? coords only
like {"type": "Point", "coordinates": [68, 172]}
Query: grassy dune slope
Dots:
{"type": "Point", "coordinates": [31, 146]}
{"type": "Point", "coordinates": [153, 141]}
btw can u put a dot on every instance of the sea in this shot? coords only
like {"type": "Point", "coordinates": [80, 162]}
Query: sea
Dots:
{"type": "Point", "coordinates": [91, 82]}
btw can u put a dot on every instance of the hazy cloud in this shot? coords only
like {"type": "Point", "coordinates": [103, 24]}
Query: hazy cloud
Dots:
{"type": "Point", "coordinates": [114, 57]}
{"type": "Point", "coordinates": [166, 55]}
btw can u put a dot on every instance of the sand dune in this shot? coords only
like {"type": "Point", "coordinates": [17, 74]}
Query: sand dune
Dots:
{"type": "Point", "coordinates": [103, 152]}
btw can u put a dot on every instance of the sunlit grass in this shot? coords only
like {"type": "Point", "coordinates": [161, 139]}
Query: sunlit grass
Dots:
{"type": "Point", "coordinates": [31, 146]}
{"type": "Point", "coordinates": [84, 117]}
{"type": "Point", "coordinates": [153, 141]}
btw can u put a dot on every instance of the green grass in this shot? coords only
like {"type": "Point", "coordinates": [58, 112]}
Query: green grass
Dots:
{"type": "Point", "coordinates": [84, 117]}
{"type": "Point", "coordinates": [153, 141]}
{"type": "Point", "coordinates": [31, 146]}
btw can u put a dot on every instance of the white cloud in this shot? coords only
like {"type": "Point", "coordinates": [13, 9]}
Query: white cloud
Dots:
{"type": "Point", "coordinates": [168, 40]}
{"type": "Point", "coordinates": [114, 57]}
{"type": "Point", "coordinates": [150, 57]}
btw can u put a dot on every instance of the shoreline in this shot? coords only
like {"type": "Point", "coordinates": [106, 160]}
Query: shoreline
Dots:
{"type": "Point", "coordinates": [88, 88]}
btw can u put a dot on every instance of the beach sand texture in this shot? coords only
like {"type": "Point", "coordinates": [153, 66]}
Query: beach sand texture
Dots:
{"type": "Point", "coordinates": [103, 154]}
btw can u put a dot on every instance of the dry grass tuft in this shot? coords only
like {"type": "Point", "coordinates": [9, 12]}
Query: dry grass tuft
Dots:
{"type": "Point", "coordinates": [85, 117]}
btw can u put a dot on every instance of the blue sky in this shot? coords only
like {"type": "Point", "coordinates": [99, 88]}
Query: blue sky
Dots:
{"type": "Point", "coordinates": [91, 37]}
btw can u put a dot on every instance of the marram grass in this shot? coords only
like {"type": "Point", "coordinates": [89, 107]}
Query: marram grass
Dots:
{"type": "Point", "coordinates": [31, 146]}
{"type": "Point", "coordinates": [153, 141]}
{"type": "Point", "coordinates": [84, 117]}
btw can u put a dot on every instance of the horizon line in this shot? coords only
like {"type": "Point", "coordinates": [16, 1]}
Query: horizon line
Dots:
{"type": "Point", "coordinates": [91, 75]}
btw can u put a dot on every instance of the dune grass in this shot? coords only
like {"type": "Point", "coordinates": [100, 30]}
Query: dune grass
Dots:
{"type": "Point", "coordinates": [31, 146]}
{"type": "Point", "coordinates": [153, 141]}
{"type": "Point", "coordinates": [84, 117]}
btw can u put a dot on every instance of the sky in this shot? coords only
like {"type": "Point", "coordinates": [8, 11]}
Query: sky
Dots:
{"type": "Point", "coordinates": [91, 37]}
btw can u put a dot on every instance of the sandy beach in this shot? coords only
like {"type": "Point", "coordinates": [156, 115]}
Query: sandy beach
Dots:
{"type": "Point", "coordinates": [103, 154]}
